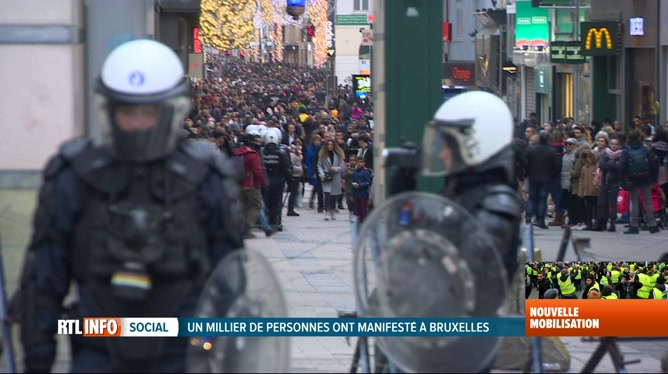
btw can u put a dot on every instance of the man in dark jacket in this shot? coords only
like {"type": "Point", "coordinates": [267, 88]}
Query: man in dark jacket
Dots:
{"type": "Point", "coordinates": [543, 285]}
{"type": "Point", "coordinates": [637, 180]}
{"type": "Point", "coordinates": [543, 167]}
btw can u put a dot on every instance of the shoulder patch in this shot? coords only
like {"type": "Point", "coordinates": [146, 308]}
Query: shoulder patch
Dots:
{"type": "Point", "coordinates": [503, 199]}
{"type": "Point", "coordinates": [73, 147]}
{"type": "Point", "coordinates": [206, 152]}
{"type": "Point", "coordinates": [199, 149]}
{"type": "Point", "coordinates": [67, 152]}
{"type": "Point", "coordinates": [55, 165]}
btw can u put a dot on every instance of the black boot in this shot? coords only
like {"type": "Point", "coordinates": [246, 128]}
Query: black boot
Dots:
{"type": "Point", "coordinates": [599, 226]}
{"type": "Point", "coordinates": [632, 230]}
{"type": "Point", "coordinates": [611, 228]}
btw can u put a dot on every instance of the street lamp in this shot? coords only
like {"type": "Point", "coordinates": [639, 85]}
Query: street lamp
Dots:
{"type": "Point", "coordinates": [296, 8]}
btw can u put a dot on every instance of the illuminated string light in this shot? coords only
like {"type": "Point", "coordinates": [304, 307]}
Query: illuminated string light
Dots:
{"type": "Point", "coordinates": [317, 11]}
{"type": "Point", "coordinates": [227, 24]}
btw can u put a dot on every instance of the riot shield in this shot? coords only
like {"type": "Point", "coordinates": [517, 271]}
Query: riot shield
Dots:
{"type": "Point", "coordinates": [420, 255]}
{"type": "Point", "coordinates": [243, 285]}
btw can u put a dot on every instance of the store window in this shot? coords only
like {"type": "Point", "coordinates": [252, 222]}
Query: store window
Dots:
{"type": "Point", "coordinates": [361, 5]}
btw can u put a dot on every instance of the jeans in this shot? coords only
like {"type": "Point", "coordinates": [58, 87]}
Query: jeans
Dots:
{"type": "Point", "coordinates": [554, 189]}
{"type": "Point", "coordinates": [634, 208]}
{"type": "Point", "coordinates": [317, 189]}
{"type": "Point", "coordinates": [607, 203]}
{"type": "Point", "coordinates": [538, 198]}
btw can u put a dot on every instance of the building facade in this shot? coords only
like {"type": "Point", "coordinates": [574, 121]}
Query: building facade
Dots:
{"type": "Point", "coordinates": [351, 58]}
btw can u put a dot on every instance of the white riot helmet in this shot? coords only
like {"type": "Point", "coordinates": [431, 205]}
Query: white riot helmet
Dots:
{"type": "Point", "coordinates": [142, 98]}
{"type": "Point", "coordinates": [467, 131]}
{"type": "Point", "coordinates": [263, 129]}
{"type": "Point", "coordinates": [272, 136]}
{"type": "Point", "coordinates": [251, 128]}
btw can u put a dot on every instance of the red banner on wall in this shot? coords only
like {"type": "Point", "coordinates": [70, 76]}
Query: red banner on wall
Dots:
{"type": "Point", "coordinates": [447, 32]}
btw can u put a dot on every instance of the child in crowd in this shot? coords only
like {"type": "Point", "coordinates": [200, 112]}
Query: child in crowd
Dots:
{"type": "Point", "coordinates": [360, 192]}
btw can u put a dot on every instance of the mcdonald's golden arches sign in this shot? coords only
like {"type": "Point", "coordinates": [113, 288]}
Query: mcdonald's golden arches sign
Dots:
{"type": "Point", "coordinates": [599, 38]}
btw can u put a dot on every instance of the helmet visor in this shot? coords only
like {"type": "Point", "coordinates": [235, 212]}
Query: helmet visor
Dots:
{"type": "Point", "coordinates": [142, 132]}
{"type": "Point", "coordinates": [441, 145]}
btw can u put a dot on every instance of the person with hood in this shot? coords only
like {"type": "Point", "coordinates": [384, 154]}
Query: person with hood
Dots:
{"type": "Point", "coordinates": [637, 170]}
{"type": "Point", "coordinates": [607, 195]}
{"type": "Point", "coordinates": [577, 216]}
{"type": "Point", "coordinates": [608, 293]}
{"type": "Point", "coordinates": [254, 179]}
{"type": "Point", "coordinates": [590, 284]}
{"type": "Point", "coordinates": [543, 167]}
{"type": "Point", "coordinates": [585, 168]}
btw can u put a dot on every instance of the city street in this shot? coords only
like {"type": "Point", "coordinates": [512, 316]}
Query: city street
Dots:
{"type": "Point", "coordinates": [313, 260]}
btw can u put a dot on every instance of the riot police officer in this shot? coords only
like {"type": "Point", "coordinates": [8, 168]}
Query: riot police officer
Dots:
{"type": "Point", "coordinates": [469, 143]}
{"type": "Point", "coordinates": [277, 163]}
{"type": "Point", "coordinates": [137, 221]}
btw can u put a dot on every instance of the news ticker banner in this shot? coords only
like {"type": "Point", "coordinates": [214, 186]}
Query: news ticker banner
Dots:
{"type": "Point", "coordinates": [560, 317]}
{"type": "Point", "coordinates": [172, 327]}
{"type": "Point", "coordinates": [578, 317]}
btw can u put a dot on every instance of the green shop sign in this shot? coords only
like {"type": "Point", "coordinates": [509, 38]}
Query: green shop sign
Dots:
{"type": "Point", "coordinates": [599, 38]}
{"type": "Point", "coordinates": [531, 27]}
{"type": "Point", "coordinates": [566, 53]}
{"type": "Point", "coordinates": [352, 20]}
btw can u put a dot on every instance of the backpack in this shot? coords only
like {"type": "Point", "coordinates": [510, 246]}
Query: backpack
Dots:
{"type": "Point", "coordinates": [638, 165]}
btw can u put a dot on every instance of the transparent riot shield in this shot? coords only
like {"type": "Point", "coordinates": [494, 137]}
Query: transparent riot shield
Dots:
{"type": "Point", "coordinates": [243, 285]}
{"type": "Point", "coordinates": [420, 255]}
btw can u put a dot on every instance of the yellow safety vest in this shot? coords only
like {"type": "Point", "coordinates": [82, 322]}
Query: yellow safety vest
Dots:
{"type": "Point", "coordinates": [610, 297]}
{"type": "Point", "coordinates": [578, 276]}
{"type": "Point", "coordinates": [652, 279]}
{"type": "Point", "coordinates": [604, 280]}
{"type": "Point", "coordinates": [615, 276]}
{"type": "Point", "coordinates": [657, 294]}
{"type": "Point", "coordinates": [567, 287]}
{"type": "Point", "coordinates": [609, 267]}
{"type": "Point", "coordinates": [595, 287]}
{"type": "Point", "coordinates": [643, 292]}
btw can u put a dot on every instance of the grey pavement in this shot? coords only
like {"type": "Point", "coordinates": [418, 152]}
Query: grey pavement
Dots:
{"type": "Point", "coordinates": [313, 261]}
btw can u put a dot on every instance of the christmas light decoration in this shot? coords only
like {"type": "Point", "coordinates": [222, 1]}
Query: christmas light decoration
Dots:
{"type": "Point", "coordinates": [317, 12]}
{"type": "Point", "coordinates": [227, 24]}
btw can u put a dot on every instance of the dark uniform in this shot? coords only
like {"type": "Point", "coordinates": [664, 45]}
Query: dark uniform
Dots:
{"type": "Point", "coordinates": [277, 163]}
{"type": "Point", "coordinates": [137, 223]}
{"type": "Point", "coordinates": [478, 168]}
{"type": "Point", "coordinates": [139, 240]}
{"type": "Point", "coordinates": [487, 195]}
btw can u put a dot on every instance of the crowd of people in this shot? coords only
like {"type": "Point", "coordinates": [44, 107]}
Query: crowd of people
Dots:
{"type": "Point", "coordinates": [597, 280]}
{"type": "Point", "coordinates": [593, 177]}
{"type": "Point", "coordinates": [322, 137]}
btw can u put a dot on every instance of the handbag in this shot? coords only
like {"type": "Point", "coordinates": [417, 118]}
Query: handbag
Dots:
{"type": "Point", "coordinates": [598, 177]}
{"type": "Point", "coordinates": [329, 176]}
